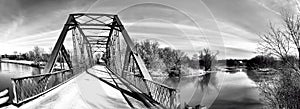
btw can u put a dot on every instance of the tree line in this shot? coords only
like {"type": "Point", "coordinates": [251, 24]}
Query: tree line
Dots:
{"type": "Point", "coordinates": [172, 61]}
{"type": "Point", "coordinates": [37, 54]}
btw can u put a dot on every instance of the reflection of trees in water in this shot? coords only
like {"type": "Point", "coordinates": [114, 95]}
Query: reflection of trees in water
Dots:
{"type": "Point", "coordinates": [202, 81]}
{"type": "Point", "coordinates": [193, 90]}
{"type": "Point", "coordinates": [252, 75]}
{"type": "Point", "coordinates": [175, 81]}
{"type": "Point", "coordinates": [36, 71]}
{"type": "Point", "coordinates": [205, 80]}
{"type": "Point", "coordinates": [204, 88]}
{"type": "Point", "coordinates": [172, 82]}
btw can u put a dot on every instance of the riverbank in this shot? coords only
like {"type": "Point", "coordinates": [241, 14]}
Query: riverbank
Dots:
{"type": "Point", "coordinates": [41, 65]}
{"type": "Point", "coordinates": [259, 76]}
{"type": "Point", "coordinates": [21, 62]}
{"type": "Point", "coordinates": [189, 72]}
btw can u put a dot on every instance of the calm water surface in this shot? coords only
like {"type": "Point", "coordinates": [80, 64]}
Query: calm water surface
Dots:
{"type": "Point", "coordinates": [9, 70]}
{"type": "Point", "coordinates": [219, 90]}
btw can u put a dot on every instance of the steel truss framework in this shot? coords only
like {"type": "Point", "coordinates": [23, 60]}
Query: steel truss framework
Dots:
{"type": "Point", "coordinates": [105, 34]}
{"type": "Point", "coordinates": [99, 32]}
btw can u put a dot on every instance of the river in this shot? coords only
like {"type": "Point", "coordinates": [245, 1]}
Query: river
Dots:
{"type": "Point", "coordinates": [9, 70]}
{"type": "Point", "coordinates": [220, 90]}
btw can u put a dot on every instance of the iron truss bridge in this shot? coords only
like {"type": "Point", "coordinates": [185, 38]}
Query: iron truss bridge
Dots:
{"type": "Point", "coordinates": [89, 34]}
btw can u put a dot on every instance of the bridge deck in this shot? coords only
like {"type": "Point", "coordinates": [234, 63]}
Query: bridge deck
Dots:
{"type": "Point", "coordinates": [86, 91]}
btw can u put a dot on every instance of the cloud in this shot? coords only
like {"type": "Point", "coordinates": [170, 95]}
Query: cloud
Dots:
{"type": "Point", "coordinates": [53, 33]}
{"type": "Point", "coordinates": [26, 23]}
{"type": "Point", "coordinates": [246, 14]}
{"type": "Point", "coordinates": [172, 35]}
{"type": "Point", "coordinates": [238, 53]}
{"type": "Point", "coordinates": [189, 26]}
{"type": "Point", "coordinates": [10, 28]}
{"type": "Point", "coordinates": [266, 7]}
{"type": "Point", "coordinates": [9, 10]}
{"type": "Point", "coordinates": [277, 6]}
{"type": "Point", "coordinates": [10, 19]}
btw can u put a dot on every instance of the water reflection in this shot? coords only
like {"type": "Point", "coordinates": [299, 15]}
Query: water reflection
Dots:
{"type": "Point", "coordinates": [217, 90]}
{"type": "Point", "coordinates": [9, 70]}
{"type": "Point", "coordinates": [16, 70]}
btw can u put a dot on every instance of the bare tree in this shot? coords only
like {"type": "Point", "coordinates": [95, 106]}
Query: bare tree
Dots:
{"type": "Point", "coordinates": [207, 59]}
{"type": "Point", "coordinates": [275, 42]}
{"type": "Point", "coordinates": [38, 53]}
{"type": "Point", "coordinates": [292, 26]}
{"type": "Point", "coordinates": [278, 41]}
{"type": "Point", "coordinates": [194, 62]}
{"type": "Point", "coordinates": [282, 90]}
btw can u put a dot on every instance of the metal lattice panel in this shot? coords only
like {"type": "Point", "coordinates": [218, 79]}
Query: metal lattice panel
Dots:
{"type": "Point", "coordinates": [28, 87]}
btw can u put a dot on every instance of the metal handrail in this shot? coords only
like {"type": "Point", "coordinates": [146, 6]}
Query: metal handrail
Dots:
{"type": "Point", "coordinates": [30, 87]}
{"type": "Point", "coordinates": [163, 85]}
{"type": "Point", "coordinates": [39, 75]}
{"type": "Point", "coordinates": [161, 93]}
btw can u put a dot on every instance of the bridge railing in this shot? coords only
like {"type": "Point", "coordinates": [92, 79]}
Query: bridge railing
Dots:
{"type": "Point", "coordinates": [137, 81]}
{"type": "Point", "coordinates": [166, 96]}
{"type": "Point", "coordinates": [30, 87]}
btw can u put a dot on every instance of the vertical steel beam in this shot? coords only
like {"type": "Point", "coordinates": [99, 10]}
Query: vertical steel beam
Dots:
{"type": "Point", "coordinates": [66, 56]}
{"type": "Point", "coordinates": [91, 55]}
{"type": "Point", "coordinates": [82, 53]}
{"type": "Point", "coordinates": [130, 44]}
{"type": "Point", "coordinates": [109, 41]}
{"type": "Point", "coordinates": [88, 49]}
{"type": "Point", "coordinates": [57, 47]}
{"type": "Point", "coordinates": [126, 61]}
{"type": "Point", "coordinates": [75, 57]}
{"type": "Point", "coordinates": [119, 60]}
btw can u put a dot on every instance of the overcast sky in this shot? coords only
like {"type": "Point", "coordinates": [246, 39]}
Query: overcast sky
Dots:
{"type": "Point", "coordinates": [229, 26]}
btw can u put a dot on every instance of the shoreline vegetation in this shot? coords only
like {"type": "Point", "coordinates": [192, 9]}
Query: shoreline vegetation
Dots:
{"type": "Point", "coordinates": [173, 62]}
{"type": "Point", "coordinates": [164, 61]}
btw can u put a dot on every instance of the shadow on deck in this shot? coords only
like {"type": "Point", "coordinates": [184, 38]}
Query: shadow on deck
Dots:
{"type": "Point", "coordinates": [95, 88]}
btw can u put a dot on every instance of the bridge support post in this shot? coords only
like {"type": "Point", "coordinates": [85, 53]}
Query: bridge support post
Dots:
{"type": "Point", "coordinates": [87, 46]}
{"type": "Point", "coordinates": [57, 47]}
{"type": "Point", "coordinates": [126, 61]}
{"type": "Point", "coordinates": [66, 56]}
{"type": "Point", "coordinates": [130, 44]}
{"type": "Point", "coordinates": [172, 97]}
